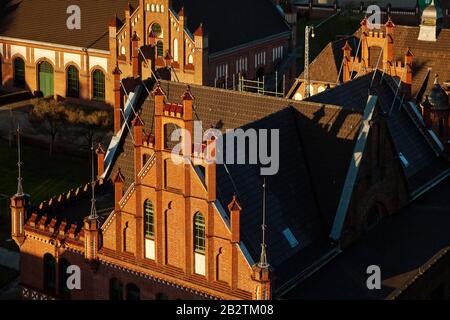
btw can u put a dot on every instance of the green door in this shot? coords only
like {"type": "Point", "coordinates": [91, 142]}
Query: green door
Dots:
{"type": "Point", "coordinates": [46, 79]}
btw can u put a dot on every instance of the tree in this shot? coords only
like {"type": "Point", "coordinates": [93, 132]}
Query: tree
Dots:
{"type": "Point", "coordinates": [89, 122]}
{"type": "Point", "coordinates": [49, 117]}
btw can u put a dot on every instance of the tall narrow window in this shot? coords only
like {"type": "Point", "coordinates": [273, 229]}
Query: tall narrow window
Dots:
{"type": "Point", "coordinates": [73, 82]}
{"type": "Point", "coordinates": [175, 49]}
{"type": "Point", "coordinates": [149, 229]}
{"type": "Point", "coordinates": [115, 289]}
{"type": "Point", "coordinates": [19, 73]}
{"type": "Point", "coordinates": [149, 219]}
{"type": "Point", "coordinates": [199, 244]}
{"type": "Point", "coordinates": [49, 272]}
{"type": "Point", "coordinates": [160, 48]}
{"type": "Point", "coordinates": [98, 85]}
{"type": "Point", "coordinates": [199, 233]}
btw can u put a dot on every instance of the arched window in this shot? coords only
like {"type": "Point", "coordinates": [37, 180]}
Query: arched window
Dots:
{"type": "Point", "coordinates": [156, 29]}
{"type": "Point", "coordinates": [115, 289]}
{"type": "Point", "coordinates": [122, 50]}
{"type": "Point", "coordinates": [98, 85]}
{"type": "Point", "coordinates": [46, 79]}
{"type": "Point", "coordinates": [175, 49]}
{"type": "Point", "coordinates": [49, 272]}
{"type": "Point", "coordinates": [149, 219]}
{"type": "Point", "coordinates": [19, 73]}
{"type": "Point", "coordinates": [160, 49]}
{"type": "Point", "coordinates": [63, 276]}
{"type": "Point", "coordinates": [133, 292]}
{"type": "Point", "coordinates": [199, 244]}
{"type": "Point", "coordinates": [73, 82]}
{"type": "Point", "coordinates": [191, 59]}
{"type": "Point", "coordinates": [199, 233]}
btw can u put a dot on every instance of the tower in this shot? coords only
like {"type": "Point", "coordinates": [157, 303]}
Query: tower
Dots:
{"type": "Point", "coordinates": [19, 202]}
{"type": "Point", "coordinates": [91, 225]}
{"type": "Point", "coordinates": [436, 113]}
{"type": "Point", "coordinates": [431, 22]}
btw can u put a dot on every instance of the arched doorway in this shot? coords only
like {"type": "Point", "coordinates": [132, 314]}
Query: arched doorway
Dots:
{"type": "Point", "coordinates": [46, 81]}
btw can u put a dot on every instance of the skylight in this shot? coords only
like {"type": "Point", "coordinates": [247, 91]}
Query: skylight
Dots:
{"type": "Point", "coordinates": [290, 237]}
{"type": "Point", "coordinates": [403, 160]}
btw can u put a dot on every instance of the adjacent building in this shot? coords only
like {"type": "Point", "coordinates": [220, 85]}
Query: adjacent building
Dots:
{"type": "Point", "coordinates": [44, 51]}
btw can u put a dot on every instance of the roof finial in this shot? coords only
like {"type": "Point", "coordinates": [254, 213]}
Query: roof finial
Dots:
{"type": "Point", "coordinates": [263, 258]}
{"type": "Point", "coordinates": [93, 214]}
{"type": "Point", "coordinates": [19, 165]}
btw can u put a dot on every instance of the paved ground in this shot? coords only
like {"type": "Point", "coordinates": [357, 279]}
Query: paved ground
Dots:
{"type": "Point", "coordinates": [10, 259]}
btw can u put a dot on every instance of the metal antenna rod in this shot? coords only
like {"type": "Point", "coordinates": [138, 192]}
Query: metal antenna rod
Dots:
{"type": "Point", "coordinates": [19, 164]}
{"type": "Point", "coordinates": [263, 259]}
{"type": "Point", "coordinates": [93, 214]}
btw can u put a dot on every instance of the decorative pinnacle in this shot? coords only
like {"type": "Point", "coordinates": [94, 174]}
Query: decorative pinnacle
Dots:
{"type": "Point", "coordinates": [19, 165]}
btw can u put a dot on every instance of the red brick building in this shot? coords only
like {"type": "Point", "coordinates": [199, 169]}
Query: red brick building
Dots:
{"type": "Point", "coordinates": [188, 40]}
{"type": "Point", "coordinates": [193, 230]}
{"type": "Point", "coordinates": [411, 53]}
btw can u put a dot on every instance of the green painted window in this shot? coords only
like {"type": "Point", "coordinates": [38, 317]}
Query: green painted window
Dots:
{"type": "Point", "coordinates": [149, 216]}
{"type": "Point", "coordinates": [49, 272]}
{"type": "Point", "coordinates": [98, 85]}
{"type": "Point", "coordinates": [19, 73]}
{"type": "Point", "coordinates": [160, 48]}
{"type": "Point", "coordinates": [116, 289]}
{"type": "Point", "coordinates": [199, 233]}
{"type": "Point", "coordinates": [46, 80]}
{"type": "Point", "coordinates": [73, 82]}
{"type": "Point", "coordinates": [133, 292]}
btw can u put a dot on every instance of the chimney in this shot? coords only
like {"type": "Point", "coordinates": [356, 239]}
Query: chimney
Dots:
{"type": "Point", "coordinates": [119, 180]}
{"type": "Point", "coordinates": [235, 214]}
{"type": "Point", "coordinates": [210, 170]}
{"type": "Point", "coordinates": [100, 160]}
{"type": "Point", "coordinates": [135, 55]}
{"type": "Point", "coordinates": [138, 125]}
{"type": "Point", "coordinates": [346, 76]}
{"type": "Point", "coordinates": [407, 80]}
{"type": "Point", "coordinates": [117, 100]}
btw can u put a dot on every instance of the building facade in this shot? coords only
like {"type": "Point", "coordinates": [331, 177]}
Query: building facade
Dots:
{"type": "Point", "coordinates": [179, 40]}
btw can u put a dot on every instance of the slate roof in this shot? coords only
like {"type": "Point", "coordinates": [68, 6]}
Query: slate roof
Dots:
{"type": "Point", "coordinates": [427, 55]}
{"type": "Point", "coordinates": [399, 245]}
{"type": "Point", "coordinates": [76, 209]}
{"type": "Point", "coordinates": [228, 23]}
{"type": "Point", "coordinates": [233, 22]}
{"type": "Point", "coordinates": [45, 21]}
{"type": "Point", "coordinates": [409, 140]}
{"type": "Point", "coordinates": [316, 143]}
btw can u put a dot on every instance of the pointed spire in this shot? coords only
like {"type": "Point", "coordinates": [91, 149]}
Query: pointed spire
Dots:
{"type": "Point", "coordinates": [19, 164]}
{"type": "Point", "coordinates": [187, 95]}
{"type": "Point", "coordinates": [263, 258]}
{"type": "Point", "coordinates": [93, 215]}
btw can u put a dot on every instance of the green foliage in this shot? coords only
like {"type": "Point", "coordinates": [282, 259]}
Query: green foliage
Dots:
{"type": "Point", "coordinates": [48, 116]}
